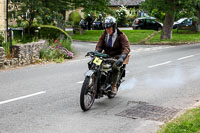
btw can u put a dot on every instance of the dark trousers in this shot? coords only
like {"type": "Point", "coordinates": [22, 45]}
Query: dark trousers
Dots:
{"type": "Point", "coordinates": [115, 73]}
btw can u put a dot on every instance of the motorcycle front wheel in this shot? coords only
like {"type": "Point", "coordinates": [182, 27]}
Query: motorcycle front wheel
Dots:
{"type": "Point", "coordinates": [88, 92]}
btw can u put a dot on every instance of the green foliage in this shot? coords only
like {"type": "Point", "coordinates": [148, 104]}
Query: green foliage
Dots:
{"type": "Point", "coordinates": [170, 8]}
{"type": "Point", "coordinates": [52, 33]}
{"type": "Point", "coordinates": [52, 55]}
{"type": "Point", "coordinates": [57, 51]}
{"type": "Point", "coordinates": [97, 6]}
{"type": "Point", "coordinates": [158, 14]}
{"type": "Point", "coordinates": [6, 47]}
{"type": "Point", "coordinates": [44, 11]}
{"type": "Point", "coordinates": [124, 16]}
{"type": "Point", "coordinates": [189, 122]}
{"type": "Point", "coordinates": [66, 44]}
{"type": "Point", "coordinates": [3, 44]}
{"type": "Point", "coordinates": [121, 16]}
{"type": "Point", "coordinates": [132, 15]}
{"type": "Point", "coordinates": [180, 37]}
{"type": "Point", "coordinates": [75, 17]}
{"type": "Point", "coordinates": [48, 12]}
{"type": "Point", "coordinates": [183, 8]}
{"type": "Point", "coordinates": [24, 24]}
{"type": "Point", "coordinates": [134, 36]}
{"type": "Point", "coordinates": [1, 39]}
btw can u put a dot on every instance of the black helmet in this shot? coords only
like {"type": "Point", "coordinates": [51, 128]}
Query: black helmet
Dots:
{"type": "Point", "coordinates": [110, 22]}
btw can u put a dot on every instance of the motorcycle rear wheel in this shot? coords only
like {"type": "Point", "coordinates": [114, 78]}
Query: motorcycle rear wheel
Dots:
{"type": "Point", "coordinates": [88, 92]}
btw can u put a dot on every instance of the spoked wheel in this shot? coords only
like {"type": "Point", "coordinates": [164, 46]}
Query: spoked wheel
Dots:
{"type": "Point", "coordinates": [88, 92]}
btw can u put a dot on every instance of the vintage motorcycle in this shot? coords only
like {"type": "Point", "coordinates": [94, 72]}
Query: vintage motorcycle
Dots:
{"type": "Point", "coordinates": [97, 81]}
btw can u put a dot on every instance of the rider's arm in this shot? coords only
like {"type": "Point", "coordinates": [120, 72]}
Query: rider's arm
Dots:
{"type": "Point", "coordinates": [125, 44]}
{"type": "Point", "coordinates": [125, 49]}
{"type": "Point", "coordinates": [100, 44]}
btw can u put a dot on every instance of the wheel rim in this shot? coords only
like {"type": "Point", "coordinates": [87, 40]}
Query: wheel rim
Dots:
{"type": "Point", "coordinates": [90, 93]}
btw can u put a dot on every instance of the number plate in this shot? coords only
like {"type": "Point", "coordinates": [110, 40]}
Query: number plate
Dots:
{"type": "Point", "coordinates": [97, 61]}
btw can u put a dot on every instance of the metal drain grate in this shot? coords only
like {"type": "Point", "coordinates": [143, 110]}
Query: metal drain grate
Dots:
{"type": "Point", "coordinates": [149, 112]}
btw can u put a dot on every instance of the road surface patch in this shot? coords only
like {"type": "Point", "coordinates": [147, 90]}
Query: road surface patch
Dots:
{"type": "Point", "coordinates": [149, 112]}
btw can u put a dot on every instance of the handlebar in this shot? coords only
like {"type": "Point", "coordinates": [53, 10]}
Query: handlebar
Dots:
{"type": "Point", "coordinates": [104, 57]}
{"type": "Point", "coordinates": [98, 54]}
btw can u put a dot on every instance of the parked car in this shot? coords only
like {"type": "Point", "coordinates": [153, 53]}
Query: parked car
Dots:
{"type": "Point", "coordinates": [182, 22]}
{"type": "Point", "coordinates": [148, 23]}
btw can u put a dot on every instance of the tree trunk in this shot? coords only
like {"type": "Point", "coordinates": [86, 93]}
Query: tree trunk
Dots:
{"type": "Point", "coordinates": [168, 25]}
{"type": "Point", "coordinates": [198, 21]}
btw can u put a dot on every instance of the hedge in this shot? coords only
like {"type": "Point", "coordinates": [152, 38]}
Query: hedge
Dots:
{"type": "Point", "coordinates": [52, 32]}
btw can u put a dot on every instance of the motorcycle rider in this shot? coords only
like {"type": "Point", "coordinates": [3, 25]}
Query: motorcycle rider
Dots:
{"type": "Point", "coordinates": [100, 19]}
{"type": "Point", "coordinates": [115, 44]}
{"type": "Point", "coordinates": [89, 21]}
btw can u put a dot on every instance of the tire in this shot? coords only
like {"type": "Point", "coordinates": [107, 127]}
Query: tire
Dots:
{"type": "Point", "coordinates": [110, 96]}
{"type": "Point", "coordinates": [88, 93]}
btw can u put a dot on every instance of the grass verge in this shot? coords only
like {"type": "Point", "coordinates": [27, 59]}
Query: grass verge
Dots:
{"type": "Point", "coordinates": [189, 122]}
{"type": "Point", "coordinates": [180, 37]}
{"type": "Point", "coordinates": [134, 36]}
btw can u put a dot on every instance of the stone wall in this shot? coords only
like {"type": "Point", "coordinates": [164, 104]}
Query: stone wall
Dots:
{"type": "Point", "coordinates": [2, 57]}
{"type": "Point", "coordinates": [22, 54]}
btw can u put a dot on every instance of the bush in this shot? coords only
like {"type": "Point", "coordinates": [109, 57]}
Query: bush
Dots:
{"type": "Point", "coordinates": [121, 16]}
{"type": "Point", "coordinates": [52, 33]}
{"type": "Point", "coordinates": [59, 44]}
{"type": "Point", "coordinates": [1, 39]}
{"type": "Point", "coordinates": [5, 45]}
{"type": "Point", "coordinates": [56, 52]}
{"type": "Point", "coordinates": [75, 17]}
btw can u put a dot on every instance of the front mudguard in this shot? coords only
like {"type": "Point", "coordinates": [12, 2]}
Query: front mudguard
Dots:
{"type": "Point", "coordinates": [89, 73]}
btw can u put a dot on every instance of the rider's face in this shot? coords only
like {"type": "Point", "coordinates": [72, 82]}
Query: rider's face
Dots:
{"type": "Point", "coordinates": [109, 30]}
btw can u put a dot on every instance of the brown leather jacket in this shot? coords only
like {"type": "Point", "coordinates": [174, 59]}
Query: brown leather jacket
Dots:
{"type": "Point", "coordinates": [120, 46]}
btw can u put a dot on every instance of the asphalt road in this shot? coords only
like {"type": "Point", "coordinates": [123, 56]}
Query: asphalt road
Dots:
{"type": "Point", "coordinates": [45, 98]}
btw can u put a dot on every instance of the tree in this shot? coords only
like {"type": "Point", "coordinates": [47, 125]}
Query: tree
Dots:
{"type": "Point", "coordinates": [98, 6]}
{"type": "Point", "coordinates": [46, 9]}
{"type": "Point", "coordinates": [194, 7]}
{"type": "Point", "coordinates": [170, 8]}
{"type": "Point", "coordinates": [191, 10]}
{"type": "Point", "coordinates": [49, 12]}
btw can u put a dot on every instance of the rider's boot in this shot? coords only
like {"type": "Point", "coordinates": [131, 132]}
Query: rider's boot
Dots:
{"type": "Point", "coordinates": [114, 89]}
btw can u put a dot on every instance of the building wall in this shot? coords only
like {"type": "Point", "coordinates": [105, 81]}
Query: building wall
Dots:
{"type": "Point", "coordinates": [3, 16]}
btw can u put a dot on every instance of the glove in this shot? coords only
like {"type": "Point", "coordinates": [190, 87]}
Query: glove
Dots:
{"type": "Point", "coordinates": [97, 51]}
{"type": "Point", "coordinates": [120, 61]}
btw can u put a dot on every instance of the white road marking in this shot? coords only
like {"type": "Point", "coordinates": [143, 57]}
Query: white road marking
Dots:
{"type": "Point", "coordinates": [150, 49]}
{"type": "Point", "coordinates": [80, 82]}
{"type": "Point", "coordinates": [159, 64]}
{"type": "Point", "coordinates": [23, 97]}
{"type": "Point", "coordinates": [186, 57]}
